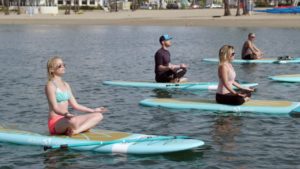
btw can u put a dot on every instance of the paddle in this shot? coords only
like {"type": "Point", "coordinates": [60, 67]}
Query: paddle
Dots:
{"type": "Point", "coordinates": [102, 143]}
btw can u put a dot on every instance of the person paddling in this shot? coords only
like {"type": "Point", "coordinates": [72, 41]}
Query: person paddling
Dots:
{"type": "Point", "coordinates": [165, 71]}
{"type": "Point", "coordinates": [226, 73]}
{"type": "Point", "coordinates": [250, 51]}
{"type": "Point", "coordinates": [59, 95]}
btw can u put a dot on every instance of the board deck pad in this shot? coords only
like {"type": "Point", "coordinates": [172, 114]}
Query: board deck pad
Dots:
{"type": "Point", "coordinates": [99, 135]}
{"type": "Point", "coordinates": [256, 106]}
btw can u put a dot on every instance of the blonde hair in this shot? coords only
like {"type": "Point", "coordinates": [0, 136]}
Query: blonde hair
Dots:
{"type": "Point", "coordinates": [225, 53]}
{"type": "Point", "coordinates": [51, 66]}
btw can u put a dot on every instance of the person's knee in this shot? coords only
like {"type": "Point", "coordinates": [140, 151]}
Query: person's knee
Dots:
{"type": "Point", "coordinates": [97, 116]}
{"type": "Point", "coordinates": [73, 123]}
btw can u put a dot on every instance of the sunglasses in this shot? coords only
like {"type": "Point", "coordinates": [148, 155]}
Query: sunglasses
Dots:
{"type": "Point", "coordinates": [252, 36]}
{"type": "Point", "coordinates": [232, 54]}
{"type": "Point", "coordinates": [60, 66]}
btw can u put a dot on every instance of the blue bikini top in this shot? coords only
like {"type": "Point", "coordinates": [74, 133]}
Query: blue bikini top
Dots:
{"type": "Point", "coordinates": [60, 95]}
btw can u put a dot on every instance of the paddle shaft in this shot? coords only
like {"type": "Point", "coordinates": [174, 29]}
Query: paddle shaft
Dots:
{"type": "Point", "coordinates": [102, 143]}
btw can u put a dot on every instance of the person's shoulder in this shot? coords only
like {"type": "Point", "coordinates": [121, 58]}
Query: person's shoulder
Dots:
{"type": "Point", "coordinates": [223, 66]}
{"type": "Point", "coordinates": [67, 84]}
{"type": "Point", "coordinates": [158, 52]}
{"type": "Point", "coordinates": [49, 85]}
{"type": "Point", "coordinates": [246, 41]}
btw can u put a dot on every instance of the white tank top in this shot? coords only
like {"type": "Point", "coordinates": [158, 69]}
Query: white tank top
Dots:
{"type": "Point", "coordinates": [231, 77]}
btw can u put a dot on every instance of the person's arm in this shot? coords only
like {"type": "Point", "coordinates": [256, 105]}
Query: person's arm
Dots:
{"type": "Point", "coordinates": [165, 68]}
{"type": "Point", "coordinates": [50, 93]}
{"type": "Point", "coordinates": [75, 105]}
{"type": "Point", "coordinates": [257, 50]}
{"type": "Point", "coordinates": [223, 71]}
{"type": "Point", "coordinates": [254, 49]}
{"type": "Point", "coordinates": [161, 67]}
{"type": "Point", "coordinates": [236, 84]}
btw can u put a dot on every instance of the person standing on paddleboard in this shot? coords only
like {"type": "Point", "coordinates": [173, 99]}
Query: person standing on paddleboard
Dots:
{"type": "Point", "coordinates": [250, 51]}
{"type": "Point", "coordinates": [225, 94]}
{"type": "Point", "coordinates": [59, 95]}
{"type": "Point", "coordinates": [165, 71]}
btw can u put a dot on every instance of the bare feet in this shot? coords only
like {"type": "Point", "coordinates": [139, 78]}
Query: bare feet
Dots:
{"type": "Point", "coordinates": [247, 99]}
{"type": "Point", "coordinates": [176, 80]}
{"type": "Point", "coordinates": [70, 132]}
{"type": "Point", "coordinates": [183, 80]}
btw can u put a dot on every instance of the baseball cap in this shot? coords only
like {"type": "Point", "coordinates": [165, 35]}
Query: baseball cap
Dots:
{"type": "Point", "coordinates": [165, 37]}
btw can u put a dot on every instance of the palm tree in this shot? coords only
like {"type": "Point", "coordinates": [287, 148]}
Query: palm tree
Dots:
{"type": "Point", "coordinates": [6, 9]}
{"type": "Point", "coordinates": [226, 8]}
{"type": "Point", "coordinates": [68, 7]}
{"type": "Point", "coordinates": [76, 6]}
{"type": "Point", "coordinates": [245, 12]}
{"type": "Point", "coordinates": [19, 9]}
{"type": "Point", "coordinates": [238, 8]}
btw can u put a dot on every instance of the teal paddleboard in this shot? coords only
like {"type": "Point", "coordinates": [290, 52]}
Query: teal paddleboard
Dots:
{"type": "Point", "coordinates": [104, 141]}
{"type": "Point", "coordinates": [263, 60]}
{"type": "Point", "coordinates": [187, 86]}
{"type": "Point", "coordinates": [256, 106]}
{"type": "Point", "coordinates": [286, 78]}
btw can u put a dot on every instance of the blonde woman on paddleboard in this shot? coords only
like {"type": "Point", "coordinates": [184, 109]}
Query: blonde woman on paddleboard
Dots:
{"type": "Point", "coordinates": [225, 94]}
{"type": "Point", "coordinates": [60, 96]}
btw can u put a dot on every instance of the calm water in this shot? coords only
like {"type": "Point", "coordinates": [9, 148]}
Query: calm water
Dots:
{"type": "Point", "coordinates": [97, 53]}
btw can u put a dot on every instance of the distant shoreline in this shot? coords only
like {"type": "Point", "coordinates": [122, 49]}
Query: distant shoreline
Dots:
{"type": "Point", "coordinates": [199, 17]}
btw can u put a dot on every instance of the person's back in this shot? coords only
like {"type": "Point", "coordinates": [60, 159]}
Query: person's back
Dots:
{"type": "Point", "coordinates": [162, 57]}
{"type": "Point", "coordinates": [246, 50]}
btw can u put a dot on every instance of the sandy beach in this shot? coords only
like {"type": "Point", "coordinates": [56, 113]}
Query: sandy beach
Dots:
{"type": "Point", "coordinates": [193, 17]}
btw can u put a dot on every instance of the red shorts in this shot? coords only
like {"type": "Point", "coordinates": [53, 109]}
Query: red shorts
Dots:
{"type": "Point", "coordinates": [52, 122]}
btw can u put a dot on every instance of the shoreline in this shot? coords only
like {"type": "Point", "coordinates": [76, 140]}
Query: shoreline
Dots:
{"type": "Point", "coordinates": [193, 17]}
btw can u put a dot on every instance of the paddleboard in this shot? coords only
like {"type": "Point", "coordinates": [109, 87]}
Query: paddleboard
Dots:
{"type": "Point", "coordinates": [263, 60]}
{"type": "Point", "coordinates": [285, 10]}
{"type": "Point", "coordinates": [121, 140]}
{"type": "Point", "coordinates": [286, 78]}
{"type": "Point", "coordinates": [187, 86]}
{"type": "Point", "coordinates": [256, 106]}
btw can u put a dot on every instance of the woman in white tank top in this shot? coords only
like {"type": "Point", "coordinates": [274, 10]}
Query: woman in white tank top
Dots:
{"type": "Point", "coordinates": [225, 94]}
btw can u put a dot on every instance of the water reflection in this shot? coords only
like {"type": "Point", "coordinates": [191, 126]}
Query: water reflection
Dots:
{"type": "Point", "coordinates": [161, 93]}
{"type": "Point", "coordinates": [78, 159]}
{"type": "Point", "coordinates": [225, 130]}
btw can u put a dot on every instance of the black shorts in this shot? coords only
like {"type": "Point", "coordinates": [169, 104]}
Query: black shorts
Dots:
{"type": "Point", "coordinates": [231, 99]}
{"type": "Point", "coordinates": [249, 57]}
{"type": "Point", "coordinates": [170, 75]}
